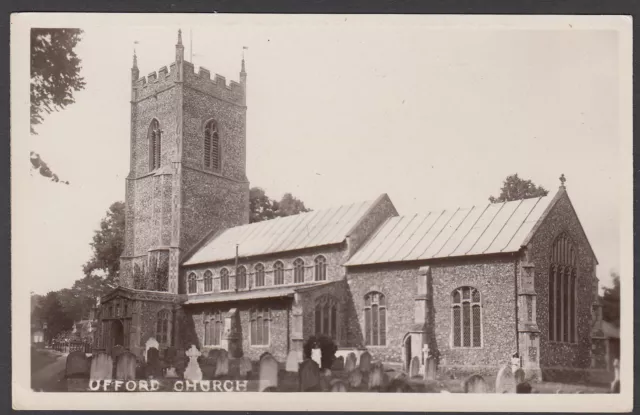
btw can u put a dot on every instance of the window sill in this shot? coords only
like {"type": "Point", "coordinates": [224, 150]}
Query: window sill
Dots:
{"type": "Point", "coordinates": [467, 348]}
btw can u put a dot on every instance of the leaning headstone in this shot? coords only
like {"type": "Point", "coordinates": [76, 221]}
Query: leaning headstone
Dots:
{"type": "Point", "coordinates": [152, 342]}
{"type": "Point", "coordinates": [222, 364]}
{"type": "Point", "coordinates": [244, 367]}
{"type": "Point", "coordinates": [475, 384]}
{"type": "Point", "coordinates": [309, 375]}
{"type": "Point", "coordinates": [523, 387]}
{"type": "Point", "coordinates": [355, 378]}
{"type": "Point", "coordinates": [519, 375]}
{"type": "Point", "coordinates": [338, 363]}
{"type": "Point", "coordinates": [414, 367]}
{"type": "Point", "coordinates": [101, 367]}
{"type": "Point", "coordinates": [350, 363]}
{"type": "Point", "coordinates": [153, 366]}
{"type": "Point", "coordinates": [291, 364]}
{"type": "Point", "coordinates": [338, 385]}
{"type": "Point", "coordinates": [268, 372]}
{"type": "Point", "coordinates": [77, 365]}
{"type": "Point", "coordinates": [126, 366]}
{"type": "Point", "coordinates": [365, 362]}
{"type": "Point", "coordinates": [316, 356]}
{"type": "Point", "coordinates": [505, 382]}
{"type": "Point", "coordinates": [376, 377]}
{"type": "Point", "coordinates": [193, 372]}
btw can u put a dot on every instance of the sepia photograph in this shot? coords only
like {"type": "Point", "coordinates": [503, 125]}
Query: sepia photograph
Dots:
{"type": "Point", "coordinates": [429, 205]}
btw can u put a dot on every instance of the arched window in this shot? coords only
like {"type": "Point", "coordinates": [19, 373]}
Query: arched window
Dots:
{"type": "Point", "coordinates": [192, 286]}
{"type": "Point", "coordinates": [375, 319]}
{"type": "Point", "coordinates": [213, 328]}
{"type": "Point", "coordinates": [278, 273]}
{"type": "Point", "coordinates": [467, 317]}
{"type": "Point", "coordinates": [562, 291]}
{"type": "Point", "coordinates": [155, 144]}
{"type": "Point", "coordinates": [208, 281]}
{"type": "Point", "coordinates": [298, 270]}
{"type": "Point", "coordinates": [326, 316]}
{"type": "Point", "coordinates": [259, 270]}
{"type": "Point", "coordinates": [211, 146]}
{"type": "Point", "coordinates": [224, 279]}
{"type": "Point", "coordinates": [320, 268]}
{"type": "Point", "coordinates": [241, 278]}
{"type": "Point", "coordinates": [260, 326]}
{"type": "Point", "coordinates": [162, 327]}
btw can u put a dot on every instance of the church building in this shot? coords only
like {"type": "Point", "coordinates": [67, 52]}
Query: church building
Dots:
{"type": "Point", "coordinates": [471, 287]}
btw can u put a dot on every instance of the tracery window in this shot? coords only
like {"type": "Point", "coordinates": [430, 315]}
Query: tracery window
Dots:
{"type": "Point", "coordinates": [224, 279]}
{"type": "Point", "coordinates": [213, 328]}
{"type": "Point", "coordinates": [467, 317]}
{"type": "Point", "coordinates": [326, 316]}
{"type": "Point", "coordinates": [192, 286]}
{"type": "Point", "coordinates": [162, 326]}
{"type": "Point", "coordinates": [375, 319]}
{"type": "Point", "coordinates": [260, 318]}
{"type": "Point", "coordinates": [241, 278]}
{"type": "Point", "coordinates": [259, 273]}
{"type": "Point", "coordinates": [211, 146]}
{"type": "Point", "coordinates": [562, 291]}
{"type": "Point", "coordinates": [298, 270]}
{"type": "Point", "coordinates": [278, 273]}
{"type": "Point", "coordinates": [208, 281]}
{"type": "Point", "coordinates": [155, 144]}
{"type": "Point", "coordinates": [320, 268]}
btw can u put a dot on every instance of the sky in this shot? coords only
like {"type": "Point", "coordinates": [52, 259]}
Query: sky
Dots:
{"type": "Point", "coordinates": [344, 110]}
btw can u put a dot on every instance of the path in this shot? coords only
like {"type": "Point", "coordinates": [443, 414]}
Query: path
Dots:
{"type": "Point", "coordinates": [48, 378]}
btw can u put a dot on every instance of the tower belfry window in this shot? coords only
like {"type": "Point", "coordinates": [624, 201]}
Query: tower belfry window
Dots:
{"type": "Point", "coordinates": [155, 144]}
{"type": "Point", "coordinates": [211, 146]}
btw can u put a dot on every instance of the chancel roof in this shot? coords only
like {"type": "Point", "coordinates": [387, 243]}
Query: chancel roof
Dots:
{"type": "Point", "coordinates": [481, 229]}
{"type": "Point", "coordinates": [305, 230]}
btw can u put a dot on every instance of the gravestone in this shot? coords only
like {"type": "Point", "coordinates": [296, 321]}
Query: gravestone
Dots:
{"type": "Point", "coordinates": [101, 367]}
{"type": "Point", "coordinates": [77, 366]}
{"type": "Point", "coordinates": [291, 364]}
{"type": "Point", "coordinates": [519, 375]}
{"type": "Point", "coordinates": [615, 384]}
{"type": "Point", "coordinates": [338, 363]}
{"type": "Point", "coordinates": [244, 367]}
{"type": "Point", "coordinates": [152, 342]}
{"type": "Point", "coordinates": [350, 363]}
{"type": "Point", "coordinates": [523, 387]}
{"type": "Point", "coordinates": [505, 382]}
{"type": "Point", "coordinates": [268, 372]}
{"type": "Point", "coordinates": [153, 366]}
{"type": "Point", "coordinates": [222, 363]}
{"type": "Point", "coordinates": [193, 372]}
{"type": "Point", "coordinates": [126, 366]}
{"type": "Point", "coordinates": [355, 378]}
{"type": "Point", "coordinates": [475, 384]}
{"type": "Point", "coordinates": [316, 356]}
{"type": "Point", "coordinates": [309, 375]}
{"type": "Point", "coordinates": [116, 352]}
{"type": "Point", "coordinates": [170, 355]}
{"type": "Point", "coordinates": [376, 377]}
{"type": "Point", "coordinates": [414, 367]}
{"type": "Point", "coordinates": [338, 385]}
{"type": "Point", "coordinates": [430, 369]}
{"type": "Point", "coordinates": [365, 362]}
{"type": "Point", "coordinates": [171, 373]}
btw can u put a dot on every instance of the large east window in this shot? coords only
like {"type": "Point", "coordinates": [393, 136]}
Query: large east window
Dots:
{"type": "Point", "coordinates": [467, 317]}
{"type": "Point", "coordinates": [562, 291]}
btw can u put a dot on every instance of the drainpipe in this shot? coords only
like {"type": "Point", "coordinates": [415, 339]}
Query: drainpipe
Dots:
{"type": "Point", "coordinates": [515, 273]}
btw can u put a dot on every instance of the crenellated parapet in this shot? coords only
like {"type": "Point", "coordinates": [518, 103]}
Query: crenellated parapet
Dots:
{"type": "Point", "coordinates": [155, 82]}
{"type": "Point", "coordinates": [218, 86]}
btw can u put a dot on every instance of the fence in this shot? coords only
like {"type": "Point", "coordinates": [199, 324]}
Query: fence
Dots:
{"type": "Point", "coordinates": [71, 346]}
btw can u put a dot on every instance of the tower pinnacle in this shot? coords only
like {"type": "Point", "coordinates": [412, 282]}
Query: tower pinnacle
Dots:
{"type": "Point", "coordinates": [179, 36]}
{"type": "Point", "coordinates": [135, 72]}
{"type": "Point", "coordinates": [179, 48]}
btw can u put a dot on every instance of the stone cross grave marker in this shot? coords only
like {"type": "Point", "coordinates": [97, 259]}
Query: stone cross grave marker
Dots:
{"type": "Point", "coordinates": [505, 382]}
{"type": "Point", "coordinates": [309, 375]}
{"type": "Point", "coordinates": [475, 384]}
{"type": "Point", "coordinates": [291, 365]}
{"type": "Point", "coordinates": [101, 367]}
{"type": "Point", "coordinates": [126, 366]}
{"type": "Point", "coordinates": [268, 372]}
{"type": "Point", "coordinates": [193, 372]}
{"type": "Point", "coordinates": [350, 363]}
{"type": "Point", "coordinates": [222, 363]}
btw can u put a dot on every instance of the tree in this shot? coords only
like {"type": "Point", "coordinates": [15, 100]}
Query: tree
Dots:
{"type": "Point", "coordinates": [515, 188]}
{"type": "Point", "coordinates": [108, 243]}
{"type": "Point", "coordinates": [50, 311]}
{"type": "Point", "coordinates": [610, 300]}
{"type": "Point", "coordinates": [262, 207]}
{"type": "Point", "coordinates": [55, 76]}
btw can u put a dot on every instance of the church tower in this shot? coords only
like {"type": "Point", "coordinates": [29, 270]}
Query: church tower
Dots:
{"type": "Point", "coordinates": [187, 177]}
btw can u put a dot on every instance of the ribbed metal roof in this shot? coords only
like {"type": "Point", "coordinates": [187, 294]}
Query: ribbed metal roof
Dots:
{"type": "Point", "coordinates": [305, 230]}
{"type": "Point", "coordinates": [483, 229]}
